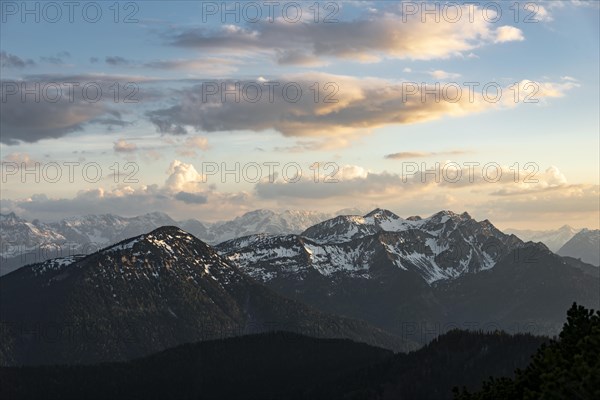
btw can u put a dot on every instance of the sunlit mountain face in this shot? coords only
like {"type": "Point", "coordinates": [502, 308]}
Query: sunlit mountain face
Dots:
{"type": "Point", "coordinates": [385, 192]}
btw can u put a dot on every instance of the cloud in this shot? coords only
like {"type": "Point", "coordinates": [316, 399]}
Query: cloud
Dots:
{"type": "Point", "coordinates": [572, 204]}
{"type": "Point", "coordinates": [34, 121]}
{"type": "Point", "coordinates": [8, 60]}
{"type": "Point", "coordinates": [113, 121]}
{"type": "Point", "coordinates": [191, 198]}
{"type": "Point", "coordinates": [538, 12]}
{"type": "Point", "coordinates": [357, 106]}
{"type": "Point", "coordinates": [508, 34]}
{"type": "Point", "coordinates": [192, 144]}
{"type": "Point", "coordinates": [551, 179]}
{"type": "Point", "coordinates": [122, 146]}
{"type": "Point", "coordinates": [61, 106]}
{"type": "Point", "coordinates": [533, 12]}
{"type": "Point", "coordinates": [57, 59]}
{"type": "Point", "coordinates": [183, 177]}
{"type": "Point", "coordinates": [116, 61]}
{"type": "Point", "coordinates": [19, 159]}
{"type": "Point", "coordinates": [285, 57]}
{"type": "Point", "coordinates": [205, 65]}
{"type": "Point", "coordinates": [367, 39]}
{"type": "Point", "coordinates": [181, 192]}
{"type": "Point", "coordinates": [422, 154]}
{"type": "Point", "coordinates": [197, 142]}
{"type": "Point", "coordinates": [440, 74]}
{"type": "Point", "coordinates": [208, 65]}
{"type": "Point", "coordinates": [489, 180]}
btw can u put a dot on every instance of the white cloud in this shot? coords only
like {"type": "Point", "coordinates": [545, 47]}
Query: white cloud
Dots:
{"type": "Point", "coordinates": [508, 34]}
{"type": "Point", "coordinates": [440, 74]}
{"type": "Point", "coordinates": [182, 177]}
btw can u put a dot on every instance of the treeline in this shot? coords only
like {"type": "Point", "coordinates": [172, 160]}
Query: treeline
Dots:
{"type": "Point", "coordinates": [459, 357]}
{"type": "Point", "coordinates": [286, 366]}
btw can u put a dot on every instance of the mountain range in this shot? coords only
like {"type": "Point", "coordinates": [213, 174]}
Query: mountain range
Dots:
{"type": "Point", "coordinates": [554, 239]}
{"type": "Point", "coordinates": [379, 279]}
{"type": "Point", "coordinates": [25, 242]}
{"type": "Point", "coordinates": [419, 274]}
{"type": "Point", "coordinates": [585, 245]}
{"type": "Point", "coordinates": [146, 294]}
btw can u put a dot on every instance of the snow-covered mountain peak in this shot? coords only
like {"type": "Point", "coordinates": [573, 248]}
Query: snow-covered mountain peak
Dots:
{"type": "Point", "coordinates": [160, 257]}
{"type": "Point", "coordinates": [445, 215]}
{"type": "Point", "coordinates": [256, 214]}
{"type": "Point", "coordinates": [166, 238]}
{"type": "Point", "coordinates": [11, 217]}
{"type": "Point", "coordinates": [342, 228]}
{"type": "Point", "coordinates": [379, 212]}
{"type": "Point", "coordinates": [349, 227]}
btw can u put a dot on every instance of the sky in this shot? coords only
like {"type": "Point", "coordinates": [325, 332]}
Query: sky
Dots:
{"type": "Point", "coordinates": [208, 110]}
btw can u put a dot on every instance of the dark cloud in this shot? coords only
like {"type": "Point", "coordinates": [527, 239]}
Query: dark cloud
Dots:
{"type": "Point", "coordinates": [57, 59]}
{"type": "Point", "coordinates": [59, 109]}
{"type": "Point", "coordinates": [111, 122]}
{"type": "Point", "coordinates": [8, 60]}
{"type": "Point", "coordinates": [191, 198]}
{"type": "Point", "coordinates": [116, 61]}
{"type": "Point", "coordinates": [206, 65]}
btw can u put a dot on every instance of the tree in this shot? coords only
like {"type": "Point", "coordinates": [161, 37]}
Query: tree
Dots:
{"type": "Point", "coordinates": [567, 368]}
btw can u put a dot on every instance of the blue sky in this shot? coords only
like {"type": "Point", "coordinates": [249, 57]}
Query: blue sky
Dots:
{"type": "Point", "coordinates": [372, 133]}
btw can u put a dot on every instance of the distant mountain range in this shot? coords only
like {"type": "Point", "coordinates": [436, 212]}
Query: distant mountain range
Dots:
{"type": "Point", "coordinates": [378, 279]}
{"type": "Point", "coordinates": [585, 245]}
{"type": "Point", "coordinates": [553, 239]}
{"type": "Point", "coordinates": [25, 242]}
